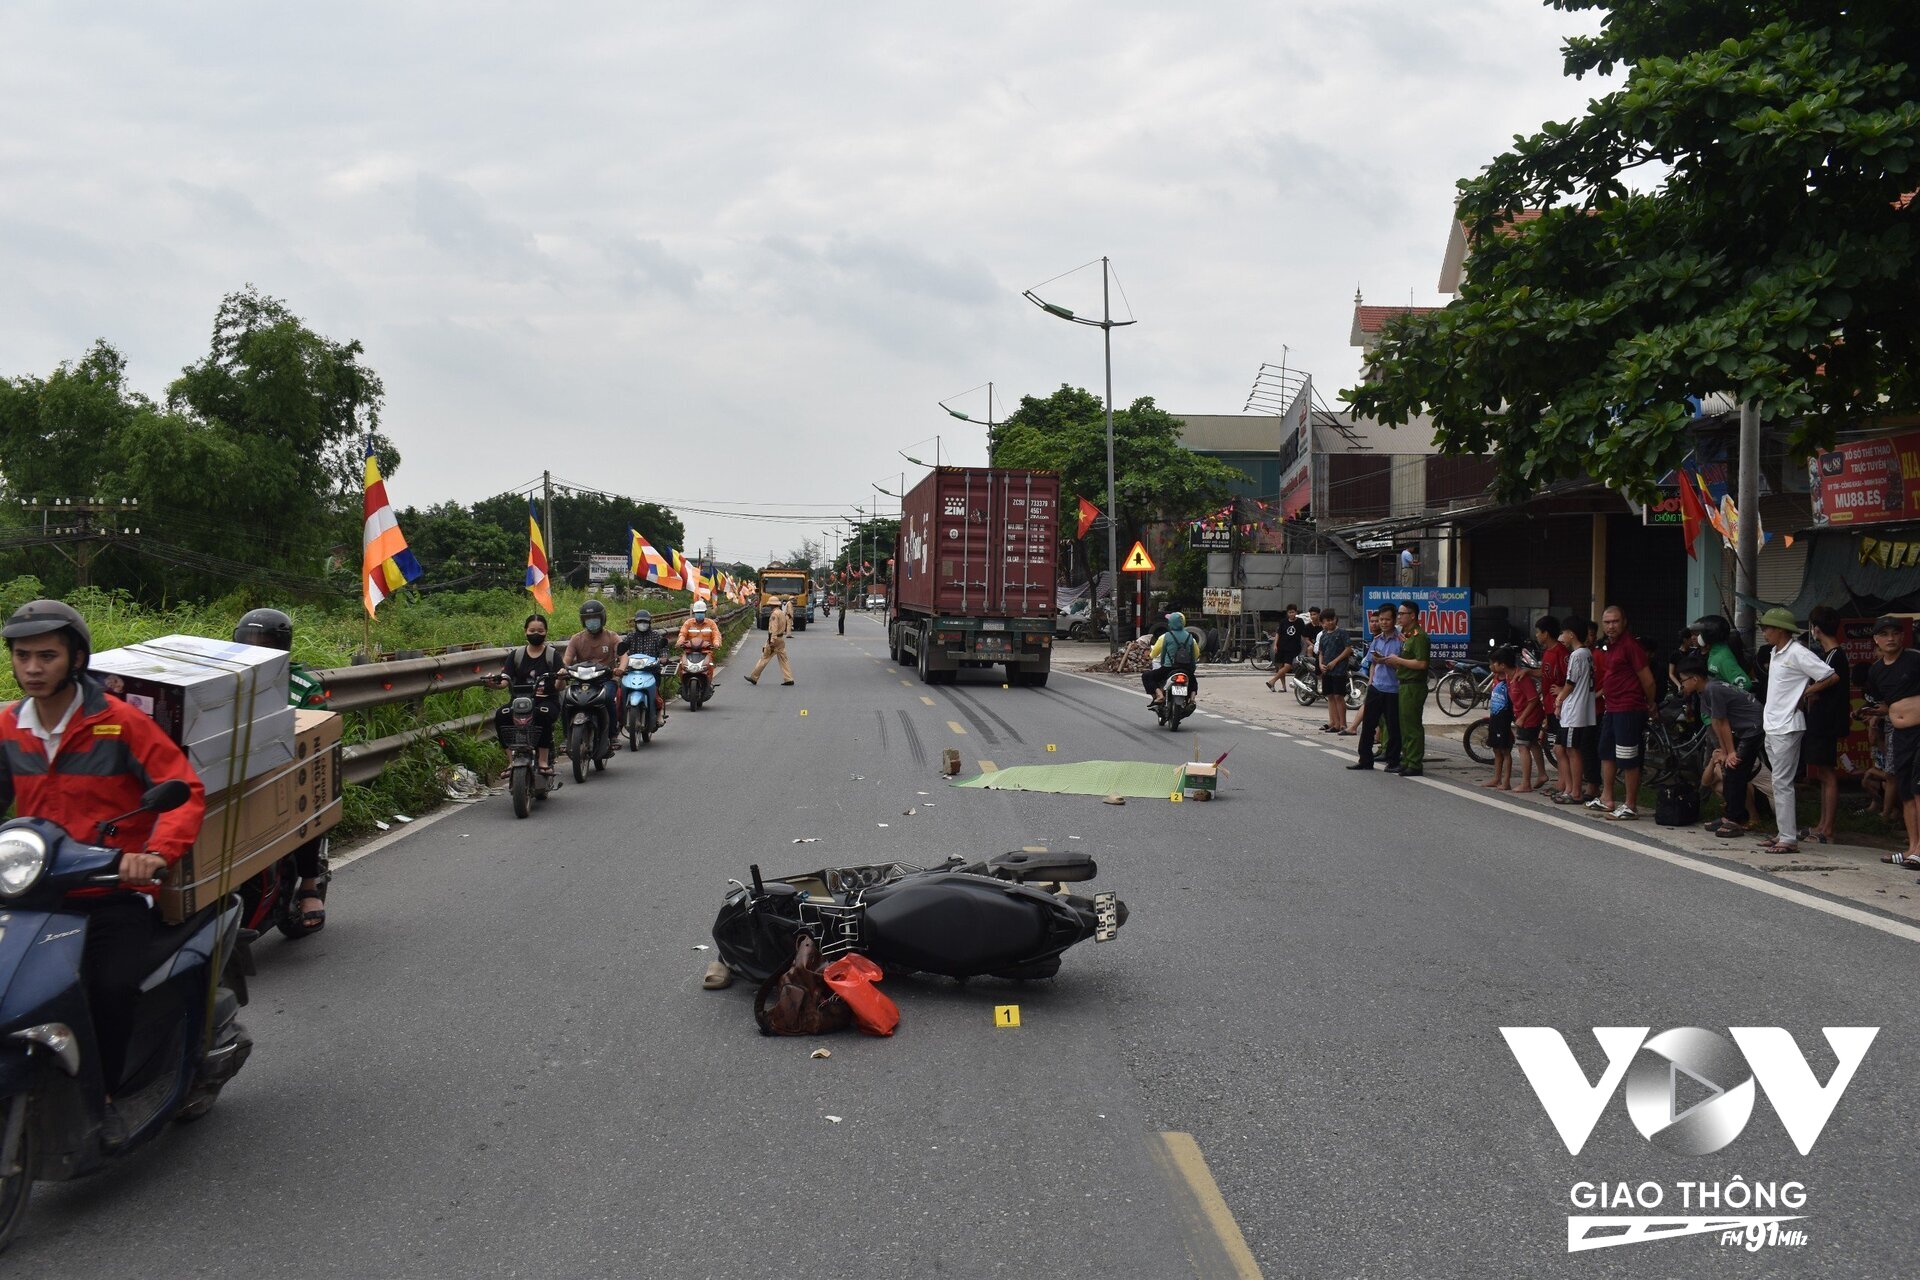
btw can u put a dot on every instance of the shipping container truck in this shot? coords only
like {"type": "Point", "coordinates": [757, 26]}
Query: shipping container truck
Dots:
{"type": "Point", "coordinates": [973, 574]}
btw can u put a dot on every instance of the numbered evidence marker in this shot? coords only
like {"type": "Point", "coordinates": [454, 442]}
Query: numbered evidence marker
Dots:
{"type": "Point", "coordinates": [1006, 1015]}
{"type": "Point", "coordinates": [803, 711]}
{"type": "Point", "coordinates": [1050, 746]}
{"type": "Point", "coordinates": [1175, 796]}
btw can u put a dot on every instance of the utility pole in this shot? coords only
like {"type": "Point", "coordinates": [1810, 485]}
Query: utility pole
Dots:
{"type": "Point", "coordinates": [85, 524]}
{"type": "Point", "coordinates": [546, 517]}
{"type": "Point", "coordinates": [1113, 514]}
{"type": "Point", "coordinates": [1747, 554]}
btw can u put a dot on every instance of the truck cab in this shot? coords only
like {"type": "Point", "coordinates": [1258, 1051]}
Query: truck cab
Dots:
{"type": "Point", "coordinates": [783, 583]}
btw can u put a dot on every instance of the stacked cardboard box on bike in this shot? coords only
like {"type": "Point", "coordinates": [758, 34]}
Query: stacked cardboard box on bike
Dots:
{"type": "Point", "coordinates": [272, 773]}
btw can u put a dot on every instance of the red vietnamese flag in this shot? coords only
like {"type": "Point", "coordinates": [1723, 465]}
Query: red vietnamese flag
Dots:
{"type": "Point", "coordinates": [1692, 513]}
{"type": "Point", "coordinates": [1088, 514]}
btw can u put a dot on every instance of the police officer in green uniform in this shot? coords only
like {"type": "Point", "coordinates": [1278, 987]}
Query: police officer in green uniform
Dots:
{"type": "Point", "coordinates": [1411, 663]}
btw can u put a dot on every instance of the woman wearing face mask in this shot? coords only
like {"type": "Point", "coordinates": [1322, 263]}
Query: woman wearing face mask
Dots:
{"type": "Point", "coordinates": [534, 669]}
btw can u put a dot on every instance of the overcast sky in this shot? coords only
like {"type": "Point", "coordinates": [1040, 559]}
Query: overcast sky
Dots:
{"type": "Point", "coordinates": [739, 251]}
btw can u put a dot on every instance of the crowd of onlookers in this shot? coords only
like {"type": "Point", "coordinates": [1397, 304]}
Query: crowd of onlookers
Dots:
{"type": "Point", "coordinates": [1575, 708]}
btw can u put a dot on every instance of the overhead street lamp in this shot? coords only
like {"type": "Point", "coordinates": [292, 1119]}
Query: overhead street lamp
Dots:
{"type": "Point", "coordinates": [953, 412]}
{"type": "Point", "coordinates": [1106, 324]}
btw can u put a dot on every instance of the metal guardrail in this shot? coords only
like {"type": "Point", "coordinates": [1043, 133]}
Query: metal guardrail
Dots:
{"type": "Point", "coordinates": [379, 684]}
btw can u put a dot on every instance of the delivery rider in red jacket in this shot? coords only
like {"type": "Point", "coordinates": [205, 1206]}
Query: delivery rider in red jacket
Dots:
{"type": "Point", "coordinates": [74, 754]}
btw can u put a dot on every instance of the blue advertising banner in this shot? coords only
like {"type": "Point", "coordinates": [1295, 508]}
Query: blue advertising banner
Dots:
{"type": "Point", "coordinates": [1444, 614]}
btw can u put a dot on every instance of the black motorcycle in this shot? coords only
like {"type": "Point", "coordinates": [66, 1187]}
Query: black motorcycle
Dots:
{"type": "Point", "coordinates": [586, 708]}
{"type": "Point", "coordinates": [187, 1039]}
{"type": "Point", "coordinates": [1177, 698]}
{"type": "Point", "coordinates": [961, 919]}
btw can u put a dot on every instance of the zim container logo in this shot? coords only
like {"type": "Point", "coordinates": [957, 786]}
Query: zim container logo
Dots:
{"type": "Point", "coordinates": [1689, 1091]}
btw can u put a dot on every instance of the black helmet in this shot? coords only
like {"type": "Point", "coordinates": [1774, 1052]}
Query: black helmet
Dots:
{"type": "Point", "coordinates": [642, 620]}
{"type": "Point", "coordinates": [593, 609]}
{"type": "Point", "coordinates": [1712, 629]}
{"type": "Point", "coordinates": [268, 628]}
{"type": "Point", "coordinates": [44, 617]}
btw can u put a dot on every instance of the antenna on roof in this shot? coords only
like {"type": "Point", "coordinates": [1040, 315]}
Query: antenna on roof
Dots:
{"type": "Point", "coordinates": [1356, 293]}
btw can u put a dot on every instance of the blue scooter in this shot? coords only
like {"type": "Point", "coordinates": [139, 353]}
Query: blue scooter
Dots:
{"type": "Point", "coordinates": [640, 698]}
{"type": "Point", "coordinates": [187, 1040]}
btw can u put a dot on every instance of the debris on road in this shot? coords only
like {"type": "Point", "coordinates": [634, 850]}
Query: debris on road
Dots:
{"type": "Point", "coordinates": [821, 1053]}
{"type": "Point", "coordinates": [833, 1119]}
{"type": "Point", "coordinates": [1115, 800]}
{"type": "Point", "coordinates": [717, 976]}
{"type": "Point", "coordinates": [806, 840]}
{"type": "Point", "coordinates": [950, 761]}
{"type": "Point", "coordinates": [701, 946]}
{"type": "Point", "coordinates": [908, 813]}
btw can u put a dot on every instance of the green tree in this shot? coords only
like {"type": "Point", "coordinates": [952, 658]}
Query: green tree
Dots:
{"type": "Point", "coordinates": [449, 542]}
{"type": "Point", "coordinates": [1156, 479]}
{"type": "Point", "coordinates": [1773, 257]}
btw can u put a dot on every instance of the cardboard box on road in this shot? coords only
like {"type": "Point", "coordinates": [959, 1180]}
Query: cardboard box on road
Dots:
{"type": "Point", "coordinates": [275, 814]}
{"type": "Point", "coordinates": [216, 699]}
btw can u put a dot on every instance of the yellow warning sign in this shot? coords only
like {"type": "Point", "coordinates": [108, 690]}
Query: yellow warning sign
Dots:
{"type": "Point", "coordinates": [1006, 1015]}
{"type": "Point", "coordinates": [1137, 561]}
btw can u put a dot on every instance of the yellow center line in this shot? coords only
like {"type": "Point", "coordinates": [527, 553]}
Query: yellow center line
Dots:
{"type": "Point", "coordinates": [1213, 1237]}
{"type": "Point", "coordinates": [907, 683]}
{"type": "Point", "coordinates": [987, 766]}
{"type": "Point", "coordinates": [923, 697]}
{"type": "Point", "coordinates": [955, 726]}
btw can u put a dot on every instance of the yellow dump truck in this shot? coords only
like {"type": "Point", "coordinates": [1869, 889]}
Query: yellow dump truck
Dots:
{"type": "Point", "coordinates": [778, 583]}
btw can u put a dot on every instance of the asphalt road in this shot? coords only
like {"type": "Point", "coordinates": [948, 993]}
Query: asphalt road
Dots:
{"type": "Point", "coordinates": [497, 1059]}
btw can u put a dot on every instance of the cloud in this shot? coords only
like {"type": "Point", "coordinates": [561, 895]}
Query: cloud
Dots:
{"type": "Point", "coordinates": [452, 216]}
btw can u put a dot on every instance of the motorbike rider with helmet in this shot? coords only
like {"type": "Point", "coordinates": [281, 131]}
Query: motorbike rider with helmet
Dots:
{"type": "Point", "coordinates": [272, 629]}
{"type": "Point", "coordinates": [594, 643]}
{"type": "Point", "coordinates": [74, 754]}
{"type": "Point", "coordinates": [537, 666]}
{"type": "Point", "coordinates": [1177, 649]}
{"type": "Point", "coordinates": [642, 638]}
{"type": "Point", "coordinates": [698, 629]}
{"type": "Point", "coordinates": [1724, 661]}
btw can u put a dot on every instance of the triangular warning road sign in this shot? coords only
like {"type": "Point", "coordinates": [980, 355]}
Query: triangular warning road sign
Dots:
{"type": "Point", "coordinates": [1137, 561]}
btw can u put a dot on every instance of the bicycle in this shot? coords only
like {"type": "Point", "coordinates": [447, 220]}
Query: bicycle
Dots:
{"type": "Point", "coordinates": [1463, 688]}
{"type": "Point", "coordinates": [1677, 745]}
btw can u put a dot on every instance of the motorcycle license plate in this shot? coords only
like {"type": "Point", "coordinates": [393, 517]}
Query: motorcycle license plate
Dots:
{"type": "Point", "coordinates": [1106, 915]}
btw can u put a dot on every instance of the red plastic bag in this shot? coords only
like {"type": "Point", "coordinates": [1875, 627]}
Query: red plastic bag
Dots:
{"type": "Point", "coordinates": [852, 978]}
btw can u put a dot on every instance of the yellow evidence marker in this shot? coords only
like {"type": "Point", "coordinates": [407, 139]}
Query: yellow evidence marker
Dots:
{"type": "Point", "coordinates": [803, 711]}
{"type": "Point", "coordinates": [1006, 1015]}
{"type": "Point", "coordinates": [1176, 797]}
{"type": "Point", "coordinates": [1050, 746]}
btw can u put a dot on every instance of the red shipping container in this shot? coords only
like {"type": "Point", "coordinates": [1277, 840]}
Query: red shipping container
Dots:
{"type": "Point", "coordinates": [980, 542]}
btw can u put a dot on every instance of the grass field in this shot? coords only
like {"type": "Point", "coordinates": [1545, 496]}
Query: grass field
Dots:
{"type": "Point", "coordinates": [329, 635]}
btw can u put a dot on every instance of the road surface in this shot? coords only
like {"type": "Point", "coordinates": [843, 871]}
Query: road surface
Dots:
{"type": "Point", "coordinates": [497, 1059]}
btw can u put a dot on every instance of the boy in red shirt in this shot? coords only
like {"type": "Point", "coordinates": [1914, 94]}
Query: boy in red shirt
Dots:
{"type": "Point", "coordinates": [1529, 715]}
{"type": "Point", "coordinates": [1553, 674]}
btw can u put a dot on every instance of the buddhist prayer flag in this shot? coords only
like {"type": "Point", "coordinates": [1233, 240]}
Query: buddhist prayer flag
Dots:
{"type": "Point", "coordinates": [537, 581]}
{"type": "Point", "coordinates": [385, 563]}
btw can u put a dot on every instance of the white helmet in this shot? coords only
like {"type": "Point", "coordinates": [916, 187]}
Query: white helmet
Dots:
{"type": "Point", "coordinates": [699, 608]}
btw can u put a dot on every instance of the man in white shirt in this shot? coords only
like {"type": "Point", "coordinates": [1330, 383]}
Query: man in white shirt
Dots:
{"type": "Point", "coordinates": [1794, 675]}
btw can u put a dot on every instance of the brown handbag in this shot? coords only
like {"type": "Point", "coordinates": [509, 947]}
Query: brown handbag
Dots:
{"type": "Point", "coordinates": [798, 1002]}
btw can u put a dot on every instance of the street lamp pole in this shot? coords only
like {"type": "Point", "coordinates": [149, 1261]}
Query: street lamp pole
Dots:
{"type": "Point", "coordinates": [1113, 533]}
{"type": "Point", "coordinates": [1106, 324]}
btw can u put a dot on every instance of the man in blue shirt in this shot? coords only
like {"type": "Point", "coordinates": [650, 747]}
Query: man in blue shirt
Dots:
{"type": "Point", "coordinates": [1383, 691]}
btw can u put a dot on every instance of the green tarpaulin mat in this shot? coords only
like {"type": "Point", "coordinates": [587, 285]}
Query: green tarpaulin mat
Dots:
{"type": "Point", "coordinates": [1086, 778]}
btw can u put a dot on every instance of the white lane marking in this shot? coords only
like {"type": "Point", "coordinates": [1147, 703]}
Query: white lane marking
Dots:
{"type": "Point", "coordinates": [1241, 723]}
{"type": "Point", "coordinates": [1275, 733]}
{"type": "Point", "coordinates": [1898, 929]}
{"type": "Point", "coordinates": [1337, 755]}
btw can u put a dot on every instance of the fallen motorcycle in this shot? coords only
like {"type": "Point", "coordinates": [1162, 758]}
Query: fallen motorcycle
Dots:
{"type": "Point", "coordinates": [961, 919]}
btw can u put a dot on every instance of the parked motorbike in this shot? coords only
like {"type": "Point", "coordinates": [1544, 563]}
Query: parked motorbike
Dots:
{"type": "Point", "coordinates": [1176, 700]}
{"type": "Point", "coordinates": [696, 677]}
{"type": "Point", "coordinates": [640, 687]}
{"type": "Point", "coordinates": [187, 1040]}
{"type": "Point", "coordinates": [961, 919]}
{"type": "Point", "coordinates": [587, 712]}
{"type": "Point", "coordinates": [1304, 680]}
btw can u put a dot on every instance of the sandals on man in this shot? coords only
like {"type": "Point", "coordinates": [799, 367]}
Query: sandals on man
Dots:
{"type": "Point", "coordinates": [312, 920]}
{"type": "Point", "coordinates": [1777, 846]}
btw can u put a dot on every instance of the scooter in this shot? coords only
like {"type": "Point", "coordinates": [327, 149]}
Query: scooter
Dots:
{"type": "Point", "coordinates": [696, 674]}
{"type": "Point", "coordinates": [641, 685]}
{"type": "Point", "coordinates": [585, 710]}
{"type": "Point", "coordinates": [1176, 700]}
{"type": "Point", "coordinates": [1304, 681]}
{"type": "Point", "coordinates": [962, 919]}
{"type": "Point", "coordinates": [187, 1040]}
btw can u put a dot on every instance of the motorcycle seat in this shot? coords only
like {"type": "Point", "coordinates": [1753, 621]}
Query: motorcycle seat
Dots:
{"type": "Point", "coordinates": [952, 923]}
